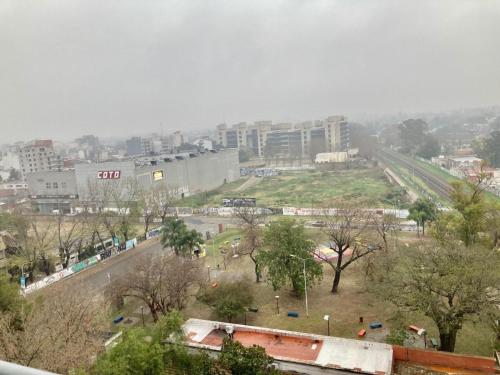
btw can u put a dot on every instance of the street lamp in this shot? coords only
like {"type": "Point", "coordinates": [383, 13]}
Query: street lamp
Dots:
{"type": "Point", "coordinates": [305, 280]}
{"type": "Point", "coordinates": [327, 318]}
{"type": "Point", "coordinates": [277, 304]}
{"type": "Point", "coordinates": [208, 269]}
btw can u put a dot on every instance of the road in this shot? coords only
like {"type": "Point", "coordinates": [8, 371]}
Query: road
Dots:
{"type": "Point", "coordinates": [99, 276]}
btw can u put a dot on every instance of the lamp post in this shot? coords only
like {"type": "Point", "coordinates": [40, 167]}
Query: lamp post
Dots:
{"type": "Point", "coordinates": [327, 318]}
{"type": "Point", "coordinates": [277, 304]}
{"type": "Point", "coordinates": [208, 269]}
{"type": "Point", "coordinates": [305, 280]}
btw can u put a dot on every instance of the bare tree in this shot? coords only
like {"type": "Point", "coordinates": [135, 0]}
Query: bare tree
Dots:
{"type": "Point", "coordinates": [125, 199]}
{"type": "Point", "coordinates": [156, 203]}
{"type": "Point", "coordinates": [383, 225]}
{"type": "Point", "coordinates": [251, 219]}
{"type": "Point", "coordinates": [348, 239]}
{"type": "Point", "coordinates": [29, 243]}
{"type": "Point", "coordinates": [58, 333]}
{"type": "Point", "coordinates": [70, 238]}
{"type": "Point", "coordinates": [163, 283]}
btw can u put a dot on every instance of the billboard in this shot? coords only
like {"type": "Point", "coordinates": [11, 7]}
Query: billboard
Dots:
{"type": "Point", "coordinates": [158, 175]}
{"type": "Point", "coordinates": [239, 202]}
{"type": "Point", "coordinates": [108, 175]}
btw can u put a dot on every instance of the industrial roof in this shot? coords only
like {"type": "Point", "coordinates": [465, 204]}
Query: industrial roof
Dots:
{"type": "Point", "coordinates": [313, 350]}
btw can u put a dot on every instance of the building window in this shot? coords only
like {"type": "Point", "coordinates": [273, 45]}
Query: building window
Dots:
{"type": "Point", "coordinates": [47, 185]}
{"type": "Point", "coordinates": [54, 185]}
{"type": "Point", "coordinates": [63, 185]}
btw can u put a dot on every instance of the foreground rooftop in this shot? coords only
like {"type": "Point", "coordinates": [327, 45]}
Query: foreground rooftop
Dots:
{"type": "Point", "coordinates": [294, 350]}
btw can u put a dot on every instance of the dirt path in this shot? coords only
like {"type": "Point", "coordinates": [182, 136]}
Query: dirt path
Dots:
{"type": "Point", "coordinates": [248, 183]}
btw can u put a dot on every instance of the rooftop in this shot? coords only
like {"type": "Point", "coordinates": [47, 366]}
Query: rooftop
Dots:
{"type": "Point", "coordinates": [301, 348]}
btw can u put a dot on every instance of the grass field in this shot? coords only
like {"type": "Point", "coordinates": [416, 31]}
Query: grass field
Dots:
{"type": "Point", "coordinates": [361, 187]}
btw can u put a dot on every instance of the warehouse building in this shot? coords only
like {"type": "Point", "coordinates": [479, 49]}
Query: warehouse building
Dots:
{"type": "Point", "coordinates": [67, 191]}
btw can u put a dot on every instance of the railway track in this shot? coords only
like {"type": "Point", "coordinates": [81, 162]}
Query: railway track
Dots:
{"type": "Point", "coordinates": [438, 185]}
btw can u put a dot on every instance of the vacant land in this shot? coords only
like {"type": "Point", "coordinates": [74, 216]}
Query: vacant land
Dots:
{"type": "Point", "coordinates": [360, 187]}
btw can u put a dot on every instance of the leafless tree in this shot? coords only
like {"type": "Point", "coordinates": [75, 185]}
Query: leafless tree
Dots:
{"type": "Point", "coordinates": [162, 283]}
{"type": "Point", "coordinates": [384, 225]}
{"type": "Point", "coordinates": [70, 238]}
{"type": "Point", "coordinates": [156, 203]}
{"type": "Point", "coordinates": [251, 242]}
{"type": "Point", "coordinates": [348, 239]}
{"type": "Point", "coordinates": [60, 332]}
{"type": "Point", "coordinates": [30, 243]}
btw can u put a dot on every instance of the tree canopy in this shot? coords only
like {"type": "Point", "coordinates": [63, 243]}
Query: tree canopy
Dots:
{"type": "Point", "coordinates": [176, 235]}
{"type": "Point", "coordinates": [447, 283]}
{"type": "Point", "coordinates": [285, 245]}
{"type": "Point", "coordinates": [422, 211]}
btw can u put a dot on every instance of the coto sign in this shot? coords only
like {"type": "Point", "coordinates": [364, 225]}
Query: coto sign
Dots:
{"type": "Point", "coordinates": [108, 175]}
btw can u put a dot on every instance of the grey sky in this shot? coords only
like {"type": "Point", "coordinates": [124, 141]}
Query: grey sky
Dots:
{"type": "Point", "coordinates": [123, 67]}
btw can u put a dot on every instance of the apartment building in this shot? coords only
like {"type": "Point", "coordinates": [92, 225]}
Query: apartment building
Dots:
{"type": "Point", "coordinates": [36, 156]}
{"type": "Point", "coordinates": [304, 139]}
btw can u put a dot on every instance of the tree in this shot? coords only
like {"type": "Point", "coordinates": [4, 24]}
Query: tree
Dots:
{"type": "Point", "coordinates": [412, 134]}
{"type": "Point", "coordinates": [133, 355]}
{"type": "Point", "coordinates": [176, 235]}
{"type": "Point", "coordinates": [347, 235]}
{"type": "Point", "coordinates": [448, 284]}
{"type": "Point", "coordinates": [229, 299]}
{"type": "Point", "coordinates": [156, 203]}
{"type": "Point", "coordinates": [142, 351]}
{"type": "Point", "coordinates": [162, 283]}
{"type": "Point", "coordinates": [282, 239]}
{"type": "Point", "coordinates": [70, 239]}
{"type": "Point", "coordinates": [251, 241]}
{"type": "Point", "coordinates": [385, 224]}
{"type": "Point", "coordinates": [492, 219]}
{"type": "Point", "coordinates": [57, 333]}
{"type": "Point", "coordinates": [10, 300]}
{"type": "Point", "coordinates": [245, 361]}
{"type": "Point", "coordinates": [429, 147]}
{"type": "Point", "coordinates": [468, 200]}
{"type": "Point", "coordinates": [14, 175]}
{"type": "Point", "coordinates": [489, 148]}
{"type": "Point", "coordinates": [422, 211]}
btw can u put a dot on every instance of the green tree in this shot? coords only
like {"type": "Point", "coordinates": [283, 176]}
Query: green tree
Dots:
{"type": "Point", "coordinates": [245, 361]}
{"type": "Point", "coordinates": [489, 148]}
{"type": "Point", "coordinates": [14, 175]}
{"type": "Point", "coordinates": [412, 134]}
{"type": "Point", "coordinates": [10, 300]}
{"type": "Point", "coordinates": [142, 351]}
{"type": "Point", "coordinates": [448, 284]}
{"type": "Point", "coordinates": [285, 242]}
{"type": "Point", "coordinates": [176, 235]}
{"type": "Point", "coordinates": [468, 201]}
{"type": "Point", "coordinates": [429, 147]}
{"type": "Point", "coordinates": [229, 299]}
{"type": "Point", "coordinates": [422, 211]}
{"type": "Point", "coordinates": [135, 355]}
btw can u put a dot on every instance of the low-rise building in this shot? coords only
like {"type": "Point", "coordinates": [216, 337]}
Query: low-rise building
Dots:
{"type": "Point", "coordinates": [92, 184]}
{"type": "Point", "coordinates": [296, 352]}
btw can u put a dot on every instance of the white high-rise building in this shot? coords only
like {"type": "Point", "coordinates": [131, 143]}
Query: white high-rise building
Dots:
{"type": "Point", "coordinates": [36, 156]}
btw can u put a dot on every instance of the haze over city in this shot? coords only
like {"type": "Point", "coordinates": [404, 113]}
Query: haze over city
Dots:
{"type": "Point", "coordinates": [249, 187]}
{"type": "Point", "coordinates": [108, 68]}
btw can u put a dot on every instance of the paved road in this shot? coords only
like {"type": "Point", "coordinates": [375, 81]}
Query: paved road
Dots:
{"type": "Point", "coordinates": [100, 275]}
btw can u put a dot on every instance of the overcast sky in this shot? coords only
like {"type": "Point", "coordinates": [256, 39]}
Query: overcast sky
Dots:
{"type": "Point", "coordinates": [73, 67]}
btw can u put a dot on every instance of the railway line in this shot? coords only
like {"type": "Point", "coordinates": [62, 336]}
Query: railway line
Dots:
{"type": "Point", "coordinates": [438, 185]}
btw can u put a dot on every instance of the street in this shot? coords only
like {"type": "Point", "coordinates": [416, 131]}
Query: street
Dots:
{"type": "Point", "coordinates": [99, 276]}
